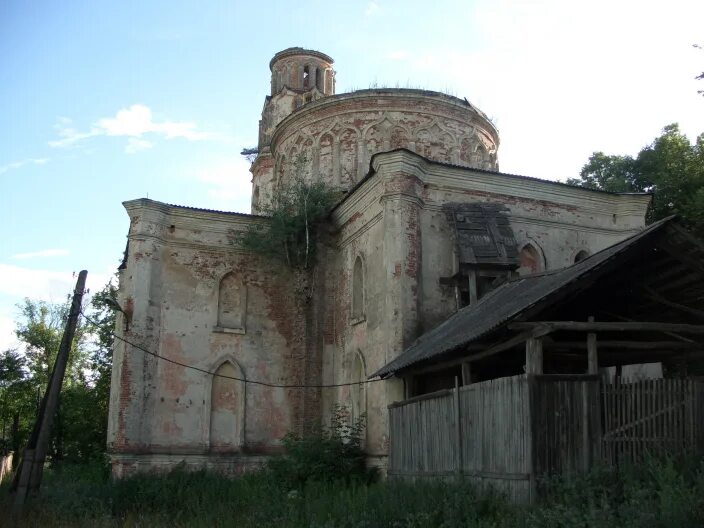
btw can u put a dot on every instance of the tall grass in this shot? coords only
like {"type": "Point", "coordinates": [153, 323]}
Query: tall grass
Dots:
{"type": "Point", "coordinates": [656, 494]}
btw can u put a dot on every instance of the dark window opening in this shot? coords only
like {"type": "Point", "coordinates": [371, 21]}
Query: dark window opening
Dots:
{"type": "Point", "coordinates": [306, 76]}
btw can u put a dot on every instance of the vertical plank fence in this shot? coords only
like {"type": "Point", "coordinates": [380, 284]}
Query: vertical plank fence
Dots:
{"type": "Point", "coordinates": [652, 417]}
{"type": "Point", "coordinates": [509, 431]}
{"type": "Point", "coordinates": [491, 446]}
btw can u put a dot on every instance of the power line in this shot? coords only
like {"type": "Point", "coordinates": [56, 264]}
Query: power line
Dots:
{"type": "Point", "coordinates": [215, 374]}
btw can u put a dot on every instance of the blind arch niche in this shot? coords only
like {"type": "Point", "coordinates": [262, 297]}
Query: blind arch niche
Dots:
{"type": "Point", "coordinates": [226, 410]}
{"type": "Point", "coordinates": [232, 304]}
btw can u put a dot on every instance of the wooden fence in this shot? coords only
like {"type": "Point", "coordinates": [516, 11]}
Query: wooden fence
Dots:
{"type": "Point", "coordinates": [652, 417]}
{"type": "Point", "coordinates": [509, 431]}
{"type": "Point", "coordinates": [491, 445]}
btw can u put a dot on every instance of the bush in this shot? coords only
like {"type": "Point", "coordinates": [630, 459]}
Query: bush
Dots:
{"type": "Point", "coordinates": [329, 454]}
{"type": "Point", "coordinates": [659, 492]}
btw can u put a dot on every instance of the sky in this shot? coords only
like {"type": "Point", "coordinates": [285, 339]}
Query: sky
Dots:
{"type": "Point", "coordinates": [103, 102]}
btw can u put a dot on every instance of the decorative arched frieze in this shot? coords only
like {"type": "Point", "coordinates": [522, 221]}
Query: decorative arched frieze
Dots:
{"type": "Point", "coordinates": [348, 156]}
{"type": "Point", "coordinates": [325, 159]}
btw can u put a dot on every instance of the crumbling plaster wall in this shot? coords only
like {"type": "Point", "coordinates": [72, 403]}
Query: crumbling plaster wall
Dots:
{"type": "Point", "coordinates": [395, 221]}
{"type": "Point", "coordinates": [169, 288]}
{"type": "Point", "coordinates": [338, 135]}
{"type": "Point", "coordinates": [557, 220]}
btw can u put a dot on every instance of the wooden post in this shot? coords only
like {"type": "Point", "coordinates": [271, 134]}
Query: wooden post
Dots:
{"type": "Point", "coordinates": [534, 355]}
{"type": "Point", "coordinates": [472, 285]}
{"type": "Point", "coordinates": [458, 427]}
{"type": "Point", "coordinates": [592, 357]}
{"type": "Point", "coordinates": [586, 444]}
{"type": "Point", "coordinates": [30, 470]}
{"type": "Point", "coordinates": [468, 376]}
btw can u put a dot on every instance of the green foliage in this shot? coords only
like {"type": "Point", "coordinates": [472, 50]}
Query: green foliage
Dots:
{"type": "Point", "coordinates": [658, 493]}
{"type": "Point", "coordinates": [327, 454]}
{"type": "Point", "coordinates": [296, 211]}
{"type": "Point", "coordinates": [80, 425]}
{"type": "Point", "coordinates": [671, 167]}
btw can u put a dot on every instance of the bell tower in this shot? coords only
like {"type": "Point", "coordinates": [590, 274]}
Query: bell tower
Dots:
{"type": "Point", "coordinates": [298, 77]}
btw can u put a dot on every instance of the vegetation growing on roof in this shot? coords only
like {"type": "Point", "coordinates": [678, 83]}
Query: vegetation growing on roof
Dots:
{"type": "Point", "coordinates": [296, 213]}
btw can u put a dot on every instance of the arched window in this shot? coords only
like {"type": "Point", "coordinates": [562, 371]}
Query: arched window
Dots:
{"type": "Point", "coordinates": [232, 304]}
{"type": "Point", "coordinates": [227, 409]}
{"type": "Point", "coordinates": [358, 289]}
{"type": "Point", "coordinates": [531, 261]}
{"type": "Point", "coordinates": [306, 76]}
{"type": "Point", "coordinates": [581, 255]}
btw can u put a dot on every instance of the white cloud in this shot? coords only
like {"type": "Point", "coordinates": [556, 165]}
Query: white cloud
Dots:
{"type": "Point", "coordinates": [42, 284]}
{"type": "Point", "coordinates": [372, 7]}
{"type": "Point", "coordinates": [228, 184]}
{"type": "Point", "coordinates": [133, 123]}
{"type": "Point", "coordinates": [21, 163]}
{"type": "Point", "coordinates": [398, 55]}
{"type": "Point", "coordinates": [563, 89]}
{"type": "Point", "coordinates": [8, 339]}
{"type": "Point", "coordinates": [42, 253]}
{"type": "Point", "coordinates": [17, 283]}
{"type": "Point", "coordinates": [136, 145]}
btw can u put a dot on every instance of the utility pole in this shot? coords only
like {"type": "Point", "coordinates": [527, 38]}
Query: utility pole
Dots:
{"type": "Point", "coordinates": [29, 473]}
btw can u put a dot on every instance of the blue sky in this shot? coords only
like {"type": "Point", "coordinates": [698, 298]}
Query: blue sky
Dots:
{"type": "Point", "coordinates": [102, 102]}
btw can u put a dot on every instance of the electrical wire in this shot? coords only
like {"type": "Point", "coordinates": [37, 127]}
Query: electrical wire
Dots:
{"type": "Point", "coordinates": [215, 374]}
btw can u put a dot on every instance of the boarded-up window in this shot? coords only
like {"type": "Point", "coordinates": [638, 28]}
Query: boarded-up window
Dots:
{"type": "Point", "coordinates": [358, 289]}
{"type": "Point", "coordinates": [232, 303]}
{"type": "Point", "coordinates": [226, 409]}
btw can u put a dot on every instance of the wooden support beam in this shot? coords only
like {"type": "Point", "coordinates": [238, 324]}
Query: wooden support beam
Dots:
{"type": "Point", "coordinates": [468, 376]}
{"type": "Point", "coordinates": [481, 351]}
{"type": "Point", "coordinates": [683, 256]}
{"type": "Point", "coordinates": [623, 318]}
{"type": "Point", "coordinates": [625, 345]}
{"type": "Point", "coordinates": [579, 326]}
{"type": "Point", "coordinates": [472, 285]}
{"type": "Point", "coordinates": [655, 296]}
{"type": "Point", "coordinates": [592, 358]}
{"type": "Point", "coordinates": [534, 355]}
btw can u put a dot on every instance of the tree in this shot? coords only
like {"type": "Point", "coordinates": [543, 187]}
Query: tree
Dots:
{"type": "Point", "coordinates": [18, 400]}
{"type": "Point", "coordinates": [699, 77]}
{"type": "Point", "coordinates": [670, 167]}
{"type": "Point", "coordinates": [296, 211]}
{"type": "Point", "coordinates": [80, 427]}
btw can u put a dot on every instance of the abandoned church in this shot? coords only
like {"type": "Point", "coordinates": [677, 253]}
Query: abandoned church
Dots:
{"type": "Point", "coordinates": [434, 267]}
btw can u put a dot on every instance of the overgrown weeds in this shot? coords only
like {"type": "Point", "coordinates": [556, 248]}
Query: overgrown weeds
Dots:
{"type": "Point", "coordinates": [662, 493]}
{"type": "Point", "coordinates": [327, 454]}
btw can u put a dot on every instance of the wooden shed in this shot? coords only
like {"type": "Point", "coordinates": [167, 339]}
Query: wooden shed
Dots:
{"type": "Point", "coordinates": [529, 380]}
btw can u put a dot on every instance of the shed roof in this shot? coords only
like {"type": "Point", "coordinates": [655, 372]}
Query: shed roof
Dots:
{"type": "Point", "coordinates": [516, 299]}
